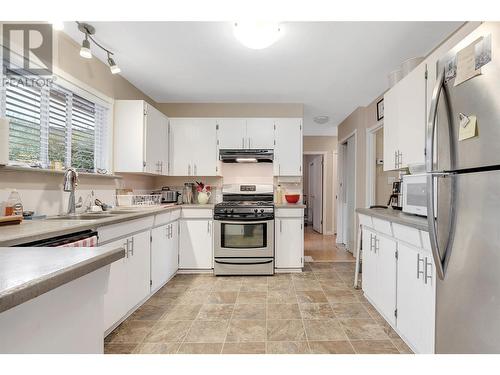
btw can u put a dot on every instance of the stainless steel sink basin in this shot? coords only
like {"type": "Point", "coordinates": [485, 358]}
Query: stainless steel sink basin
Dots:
{"type": "Point", "coordinates": [81, 217]}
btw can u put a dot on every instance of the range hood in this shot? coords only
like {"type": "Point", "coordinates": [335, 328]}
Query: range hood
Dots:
{"type": "Point", "coordinates": [246, 156]}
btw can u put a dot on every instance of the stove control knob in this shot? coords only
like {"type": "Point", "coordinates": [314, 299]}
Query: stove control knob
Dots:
{"type": "Point", "coordinates": [255, 210]}
{"type": "Point", "coordinates": [231, 211]}
{"type": "Point", "coordinates": [262, 210]}
{"type": "Point", "coordinates": [225, 210]}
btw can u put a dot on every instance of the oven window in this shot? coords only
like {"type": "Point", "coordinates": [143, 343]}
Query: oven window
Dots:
{"type": "Point", "coordinates": [244, 236]}
{"type": "Point", "coordinates": [416, 195]}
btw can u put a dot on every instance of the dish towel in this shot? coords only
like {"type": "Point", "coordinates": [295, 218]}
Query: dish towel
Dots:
{"type": "Point", "coordinates": [86, 242]}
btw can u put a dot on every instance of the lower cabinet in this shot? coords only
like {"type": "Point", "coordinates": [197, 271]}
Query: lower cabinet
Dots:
{"type": "Point", "coordinates": [164, 254]}
{"type": "Point", "coordinates": [379, 273]}
{"type": "Point", "coordinates": [416, 297]}
{"type": "Point", "coordinates": [289, 239]}
{"type": "Point", "coordinates": [129, 279]}
{"type": "Point", "coordinates": [196, 244]}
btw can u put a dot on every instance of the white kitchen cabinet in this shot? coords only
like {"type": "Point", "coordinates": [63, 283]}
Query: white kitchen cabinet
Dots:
{"type": "Point", "coordinates": [405, 120]}
{"type": "Point", "coordinates": [416, 297]}
{"type": "Point", "coordinates": [231, 133]}
{"type": "Point", "coordinates": [379, 272]}
{"type": "Point", "coordinates": [196, 244]}
{"type": "Point", "coordinates": [260, 133]}
{"type": "Point", "coordinates": [140, 138]}
{"type": "Point", "coordinates": [129, 279]}
{"type": "Point", "coordinates": [246, 133]}
{"type": "Point", "coordinates": [164, 254]}
{"type": "Point", "coordinates": [193, 147]}
{"type": "Point", "coordinates": [288, 148]}
{"type": "Point", "coordinates": [289, 238]}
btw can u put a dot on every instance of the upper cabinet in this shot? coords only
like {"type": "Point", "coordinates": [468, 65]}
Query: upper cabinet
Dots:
{"type": "Point", "coordinates": [140, 138]}
{"type": "Point", "coordinates": [193, 147]}
{"type": "Point", "coordinates": [288, 147]}
{"type": "Point", "coordinates": [241, 133]}
{"type": "Point", "coordinates": [405, 112]}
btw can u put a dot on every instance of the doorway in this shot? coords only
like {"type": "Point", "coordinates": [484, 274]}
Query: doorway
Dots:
{"type": "Point", "coordinates": [314, 192]}
{"type": "Point", "coordinates": [346, 222]}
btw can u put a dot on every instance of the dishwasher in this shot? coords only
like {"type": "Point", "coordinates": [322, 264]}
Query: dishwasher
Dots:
{"type": "Point", "coordinates": [87, 238]}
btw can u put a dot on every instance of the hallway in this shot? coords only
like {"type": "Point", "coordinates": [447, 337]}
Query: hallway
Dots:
{"type": "Point", "coordinates": [322, 248]}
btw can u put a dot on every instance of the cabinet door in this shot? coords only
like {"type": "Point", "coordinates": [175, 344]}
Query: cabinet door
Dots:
{"type": "Point", "coordinates": [412, 116]}
{"type": "Point", "coordinates": [428, 306]}
{"type": "Point", "coordinates": [410, 281]}
{"type": "Point", "coordinates": [385, 295]}
{"type": "Point", "coordinates": [231, 133]}
{"type": "Point", "coordinates": [203, 146]}
{"type": "Point", "coordinates": [138, 269]}
{"type": "Point", "coordinates": [260, 133]}
{"type": "Point", "coordinates": [195, 244]}
{"type": "Point", "coordinates": [391, 127]}
{"type": "Point", "coordinates": [115, 306]}
{"type": "Point", "coordinates": [369, 269]}
{"type": "Point", "coordinates": [173, 249]}
{"type": "Point", "coordinates": [289, 235]}
{"type": "Point", "coordinates": [288, 149]}
{"type": "Point", "coordinates": [156, 141]}
{"type": "Point", "coordinates": [181, 147]}
{"type": "Point", "coordinates": [160, 256]}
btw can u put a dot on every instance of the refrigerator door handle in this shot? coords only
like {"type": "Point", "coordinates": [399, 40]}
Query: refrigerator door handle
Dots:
{"type": "Point", "coordinates": [439, 260]}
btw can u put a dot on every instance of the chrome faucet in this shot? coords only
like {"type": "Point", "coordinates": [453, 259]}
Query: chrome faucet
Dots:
{"type": "Point", "coordinates": [70, 183]}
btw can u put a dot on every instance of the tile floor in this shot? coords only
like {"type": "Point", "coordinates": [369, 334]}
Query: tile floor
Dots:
{"type": "Point", "coordinates": [316, 311]}
{"type": "Point", "coordinates": [323, 248]}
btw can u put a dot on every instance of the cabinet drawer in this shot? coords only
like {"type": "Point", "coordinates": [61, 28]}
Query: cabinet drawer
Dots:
{"type": "Point", "coordinates": [163, 218]}
{"type": "Point", "coordinates": [197, 213]}
{"type": "Point", "coordinates": [175, 214]}
{"type": "Point", "coordinates": [365, 220]}
{"type": "Point", "coordinates": [124, 229]}
{"type": "Point", "coordinates": [290, 212]}
{"type": "Point", "coordinates": [407, 234]}
{"type": "Point", "coordinates": [382, 226]}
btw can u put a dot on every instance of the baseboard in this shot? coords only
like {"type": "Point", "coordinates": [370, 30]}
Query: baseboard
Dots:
{"type": "Point", "coordinates": [288, 270]}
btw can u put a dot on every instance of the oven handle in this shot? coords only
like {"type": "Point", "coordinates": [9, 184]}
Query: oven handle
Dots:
{"type": "Point", "coordinates": [242, 221]}
{"type": "Point", "coordinates": [243, 263]}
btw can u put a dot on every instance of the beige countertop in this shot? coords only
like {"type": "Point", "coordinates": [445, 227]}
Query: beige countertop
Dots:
{"type": "Point", "coordinates": [35, 230]}
{"type": "Point", "coordinates": [396, 216]}
{"type": "Point", "coordinates": [27, 272]}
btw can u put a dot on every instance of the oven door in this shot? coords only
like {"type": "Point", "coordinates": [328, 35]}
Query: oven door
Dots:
{"type": "Point", "coordinates": [244, 239]}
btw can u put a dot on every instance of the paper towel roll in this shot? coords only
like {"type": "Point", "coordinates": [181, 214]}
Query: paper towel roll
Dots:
{"type": "Point", "coordinates": [4, 141]}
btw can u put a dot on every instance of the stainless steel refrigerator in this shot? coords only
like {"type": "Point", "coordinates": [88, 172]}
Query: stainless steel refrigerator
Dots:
{"type": "Point", "coordinates": [465, 224]}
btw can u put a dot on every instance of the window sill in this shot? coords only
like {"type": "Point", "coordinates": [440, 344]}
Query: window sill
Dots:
{"type": "Point", "coordinates": [12, 168]}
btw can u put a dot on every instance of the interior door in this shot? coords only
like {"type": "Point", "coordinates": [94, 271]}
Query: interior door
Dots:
{"type": "Point", "coordinates": [316, 173]}
{"type": "Point", "coordinates": [260, 133]}
{"type": "Point", "coordinates": [232, 133]}
{"type": "Point", "coordinates": [350, 192]}
{"type": "Point", "coordinates": [160, 249]}
{"type": "Point", "coordinates": [203, 146]}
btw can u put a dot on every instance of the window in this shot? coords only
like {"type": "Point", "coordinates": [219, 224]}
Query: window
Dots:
{"type": "Point", "coordinates": [54, 124]}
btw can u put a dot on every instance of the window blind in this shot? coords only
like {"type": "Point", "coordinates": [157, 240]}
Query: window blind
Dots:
{"type": "Point", "coordinates": [53, 124]}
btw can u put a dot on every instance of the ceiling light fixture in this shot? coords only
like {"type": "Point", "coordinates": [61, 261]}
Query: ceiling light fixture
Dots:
{"type": "Point", "coordinates": [321, 119]}
{"type": "Point", "coordinates": [85, 51]}
{"type": "Point", "coordinates": [257, 35]}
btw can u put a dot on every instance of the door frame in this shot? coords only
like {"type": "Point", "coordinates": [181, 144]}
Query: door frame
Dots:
{"type": "Point", "coordinates": [323, 154]}
{"type": "Point", "coordinates": [371, 155]}
{"type": "Point", "coordinates": [340, 179]}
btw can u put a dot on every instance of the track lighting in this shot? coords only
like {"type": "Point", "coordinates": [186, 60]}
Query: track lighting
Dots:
{"type": "Point", "coordinates": [85, 50]}
{"type": "Point", "coordinates": [112, 65]}
{"type": "Point", "coordinates": [89, 30]}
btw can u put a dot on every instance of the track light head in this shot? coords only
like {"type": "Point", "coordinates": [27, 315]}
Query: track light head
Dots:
{"type": "Point", "coordinates": [112, 65]}
{"type": "Point", "coordinates": [85, 50]}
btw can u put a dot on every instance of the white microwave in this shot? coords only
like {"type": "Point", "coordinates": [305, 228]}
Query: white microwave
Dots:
{"type": "Point", "coordinates": [414, 192]}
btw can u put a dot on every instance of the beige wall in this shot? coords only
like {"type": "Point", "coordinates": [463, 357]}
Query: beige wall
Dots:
{"type": "Point", "coordinates": [326, 144]}
{"type": "Point", "coordinates": [232, 109]}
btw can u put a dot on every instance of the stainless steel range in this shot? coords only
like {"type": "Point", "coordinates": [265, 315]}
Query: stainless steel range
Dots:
{"type": "Point", "coordinates": [244, 231]}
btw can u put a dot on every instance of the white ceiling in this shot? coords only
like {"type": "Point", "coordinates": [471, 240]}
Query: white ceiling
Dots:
{"type": "Point", "coordinates": [331, 67]}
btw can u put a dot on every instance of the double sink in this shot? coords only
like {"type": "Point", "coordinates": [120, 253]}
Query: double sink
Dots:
{"type": "Point", "coordinates": [92, 216]}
